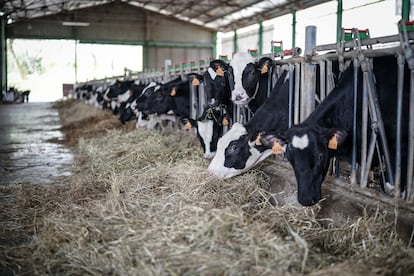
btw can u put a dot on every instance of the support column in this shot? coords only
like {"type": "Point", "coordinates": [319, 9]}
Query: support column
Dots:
{"type": "Point", "coordinates": [260, 40]}
{"type": "Point", "coordinates": [308, 95]}
{"type": "Point", "coordinates": [235, 48]}
{"type": "Point", "coordinates": [405, 12]}
{"type": "Point", "coordinates": [214, 44]}
{"type": "Point", "coordinates": [293, 29]}
{"type": "Point", "coordinates": [338, 20]}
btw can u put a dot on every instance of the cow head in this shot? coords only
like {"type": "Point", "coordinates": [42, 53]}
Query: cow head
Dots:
{"type": "Point", "coordinates": [209, 127]}
{"type": "Point", "coordinates": [216, 84]}
{"type": "Point", "coordinates": [308, 149]}
{"type": "Point", "coordinates": [236, 153]}
{"type": "Point", "coordinates": [244, 76]}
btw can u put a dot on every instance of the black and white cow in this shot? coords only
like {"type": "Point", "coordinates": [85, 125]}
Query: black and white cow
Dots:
{"type": "Point", "coordinates": [116, 93]}
{"type": "Point", "coordinates": [218, 109]}
{"type": "Point", "coordinates": [237, 150]}
{"type": "Point", "coordinates": [327, 132]}
{"type": "Point", "coordinates": [125, 112]}
{"type": "Point", "coordinates": [249, 80]}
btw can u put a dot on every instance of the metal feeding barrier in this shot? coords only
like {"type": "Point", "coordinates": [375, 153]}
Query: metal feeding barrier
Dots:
{"type": "Point", "coordinates": [317, 68]}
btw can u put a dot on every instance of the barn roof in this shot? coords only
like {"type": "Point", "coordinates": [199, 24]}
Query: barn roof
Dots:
{"type": "Point", "coordinates": [219, 15]}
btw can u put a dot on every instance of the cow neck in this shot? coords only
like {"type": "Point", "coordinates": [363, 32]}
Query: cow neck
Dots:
{"type": "Point", "coordinates": [330, 113]}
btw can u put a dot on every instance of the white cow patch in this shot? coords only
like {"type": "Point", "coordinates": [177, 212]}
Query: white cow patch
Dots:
{"type": "Point", "coordinates": [205, 130]}
{"type": "Point", "coordinates": [238, 63]}
{"type": "Point", "coordinates": [213, 74]}
{"type": "Point", "coordinates": [217, 167]}
{"type": "Point", "coordinates": [300, 142]}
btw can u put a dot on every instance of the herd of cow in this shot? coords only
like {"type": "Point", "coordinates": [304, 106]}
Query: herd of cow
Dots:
{"type": "Point", "coordinates": [244, 81]}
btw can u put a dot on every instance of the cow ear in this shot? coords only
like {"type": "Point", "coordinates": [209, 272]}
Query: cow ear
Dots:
{"type": "Point", "coordinates": [336, 137]}
{"type": "Point", "coordinates": [188, 123]}
{"type": "Point", "coordinates": [264, 64]}
{"type": "Point", "coordinates": [274, 141]}
{"type": "Point", "coordinates": [173, 92]}
{"type": "Point", "coordinates": [195, 81]}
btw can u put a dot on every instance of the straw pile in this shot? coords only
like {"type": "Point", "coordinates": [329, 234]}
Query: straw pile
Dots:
{"type": "Point", "coordinates": [142, 203]}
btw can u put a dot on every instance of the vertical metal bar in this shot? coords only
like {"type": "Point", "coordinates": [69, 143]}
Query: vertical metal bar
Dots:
{"type": "Point", "coordinates": [377, 117]}
{"type": "Point", "coordinates": [202, 101]}
{"type": "Point", "coordinates": [338, 20]}
{"type": "Point", "coordinates": [400, 90]}
{"type": "Point", "coordinates": [330, 83]}
{"type": "Point", "coordinates": [260, 40]}
{"type": "Point", "coordinates": [322, 80]}
{"type": "Point", "coordinates": [354, 125]}
{"type": "Point", "coordinates": [298, 87]}
{"type": "Point", "coordinates": [214, 44]}
{"type": "Point", "coordinates": [410, 154]}
{"type": "Point", "coordinates": [76, 61]}
{"type": "Point", "coordinates": [364, 179]}
{"type": "Point", "coordinates": [193, 101]}
{"type": "Point", "coordinates": [405, 10]}
{"type": "Point", "coordinates": [291, 80]}
{"type": "Point", "coordinates": [293, 29]}
{"type": "Point", "coordinates": [269, 81]}
{"type": "Point", "coordinates": [364, 128]}
{"type": "Point", "coordinates": [235, 48]}
{"type": "Point", "coordinates": [308, 97]}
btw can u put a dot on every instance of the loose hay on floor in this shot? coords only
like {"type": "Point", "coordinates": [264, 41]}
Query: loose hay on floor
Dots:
{"type": "Point", "coordinates": [142, 203]}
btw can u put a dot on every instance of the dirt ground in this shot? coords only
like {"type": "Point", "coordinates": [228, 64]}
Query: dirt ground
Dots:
{"type": "Point", "coordinates": [141, 202]}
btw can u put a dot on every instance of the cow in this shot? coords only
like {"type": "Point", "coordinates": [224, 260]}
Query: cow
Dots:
{"type": "Point", "coordinates": [327, 132]}
{"type": "Point", "coordinates": [125, 110]}
{"type": "Point", "coordinates": [249, 80]}
{"type": "Point", "coordinates": [116, 92]}
{"type": "Point", "coordinates": [237, 151]}
{"type": "Point", "coordinates": [218, 109]}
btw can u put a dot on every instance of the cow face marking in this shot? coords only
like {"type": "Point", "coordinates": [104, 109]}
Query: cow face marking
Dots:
{"type": "Point", "coordinates": [212, 73]}
{"type": "Point", "coordinates": [205, 131]}
{"type": "Point", "coordinates": [236, 153]}
{"type": "Point", "coordinates": [300, 142]}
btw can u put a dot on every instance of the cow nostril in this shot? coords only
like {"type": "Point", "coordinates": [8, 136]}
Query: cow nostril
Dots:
{"type": "Point", "coordinates": [238, 98]}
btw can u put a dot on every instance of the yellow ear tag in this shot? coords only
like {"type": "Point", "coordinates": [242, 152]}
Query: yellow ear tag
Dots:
{"type": "Point", "coordinates": [173, 92]}
{"type": "Point", "coordinates": [220, 72]}
{"type": "Point", "coordinates": [265, 69]}
{"type": "Point", "coordinates": [187, 125]}
{"type": "Point", "coordinates": [258, 143]}
{"type": "Point", "coordinates": [333, 143]}
{"type": "Point", "coordinates": [195, 82]}
{"type": "Point", "coordinates": [277, 148]}
{"type": "Point", "coordinates": [225, 122]}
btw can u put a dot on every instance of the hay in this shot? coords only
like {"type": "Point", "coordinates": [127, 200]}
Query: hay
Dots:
{"type": "Point", "coordinates": [142, 203]}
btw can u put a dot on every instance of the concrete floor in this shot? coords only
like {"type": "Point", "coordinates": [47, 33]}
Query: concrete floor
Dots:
{"type": "Point", "coordinates": [27, 151]}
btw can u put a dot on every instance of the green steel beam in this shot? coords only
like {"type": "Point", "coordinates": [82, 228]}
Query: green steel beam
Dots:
{"type": "Point", "coordinates": [339, 20]}
{"type": "Point", "coordinates": [293, 29]}
{"type": "Point", "coordinates": [215, 44]}
{"type": "Point", "coordinates": [405, 12]}
{"type": "Point", "coordinates": [260, 41]}
{"type": "Point", "coordinates": [235, 48]}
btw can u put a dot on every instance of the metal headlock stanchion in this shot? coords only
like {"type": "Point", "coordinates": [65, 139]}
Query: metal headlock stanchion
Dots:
{"type": "Point", "coordinates": [408, 52]}
{"type": "Point", "coordinates": [377, 124]}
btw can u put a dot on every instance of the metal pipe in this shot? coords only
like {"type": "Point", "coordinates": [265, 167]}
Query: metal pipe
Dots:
{"type": "Point", "coordinates": [373, 99]}
{"type": "Point", "coordinates": [260, 40]}
{"type": "Point", "coordinates": [322, 80]}
{"type": "Point", "coordinates": [339, 10]}
{"type": "Point", "coordinates": [291, 79]}
{"type": "Point", "coordinates": [365, 173]}
{"type": "Point", "coordinates": [354, 125]}
{"type": "Point", "coordinates": [308, 97]}
{"type": "Point", "coordinates": [405, 10]}
{"type": "Point", "coordinates": [293, 29]}
{"type": "Point", "coordinates": [298, 85]}
{"type": "Point", "coordinates": [330, 83]}
{"type": "Point", "coordinates": [410, 154]}
{"type": "Point", "coordinates": [400, 90]}
{"type": "Point", "coordinates": [235, 48]}
{"type": "Point", "coordinates": [364, 129]}
{"type": "Point", "coordinates": [202, 100]}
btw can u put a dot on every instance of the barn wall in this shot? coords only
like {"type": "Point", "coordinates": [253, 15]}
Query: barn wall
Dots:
{"type": "Point", "coordinates": [248, 40]}
{"type": "Point", "coordinates": [121, 23]}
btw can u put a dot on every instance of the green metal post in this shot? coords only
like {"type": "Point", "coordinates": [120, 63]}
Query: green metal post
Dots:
{"type": "Point", "coordinates": [339, 20]}
{"type": "Point", "coordinates": [215, 44]}
{"type": "Point", "coordinates": [146, 53]}
{"type": "Point", "coordinates": [76, 61]}
{"type": "Point", "coordinates": [260, 42]}
{"type": "Point", "coordinates": [405, 12]}
{"type": "Point", "coordinates": [235, 48]}
{"type": "Point", "coordinates": [293, 29]}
